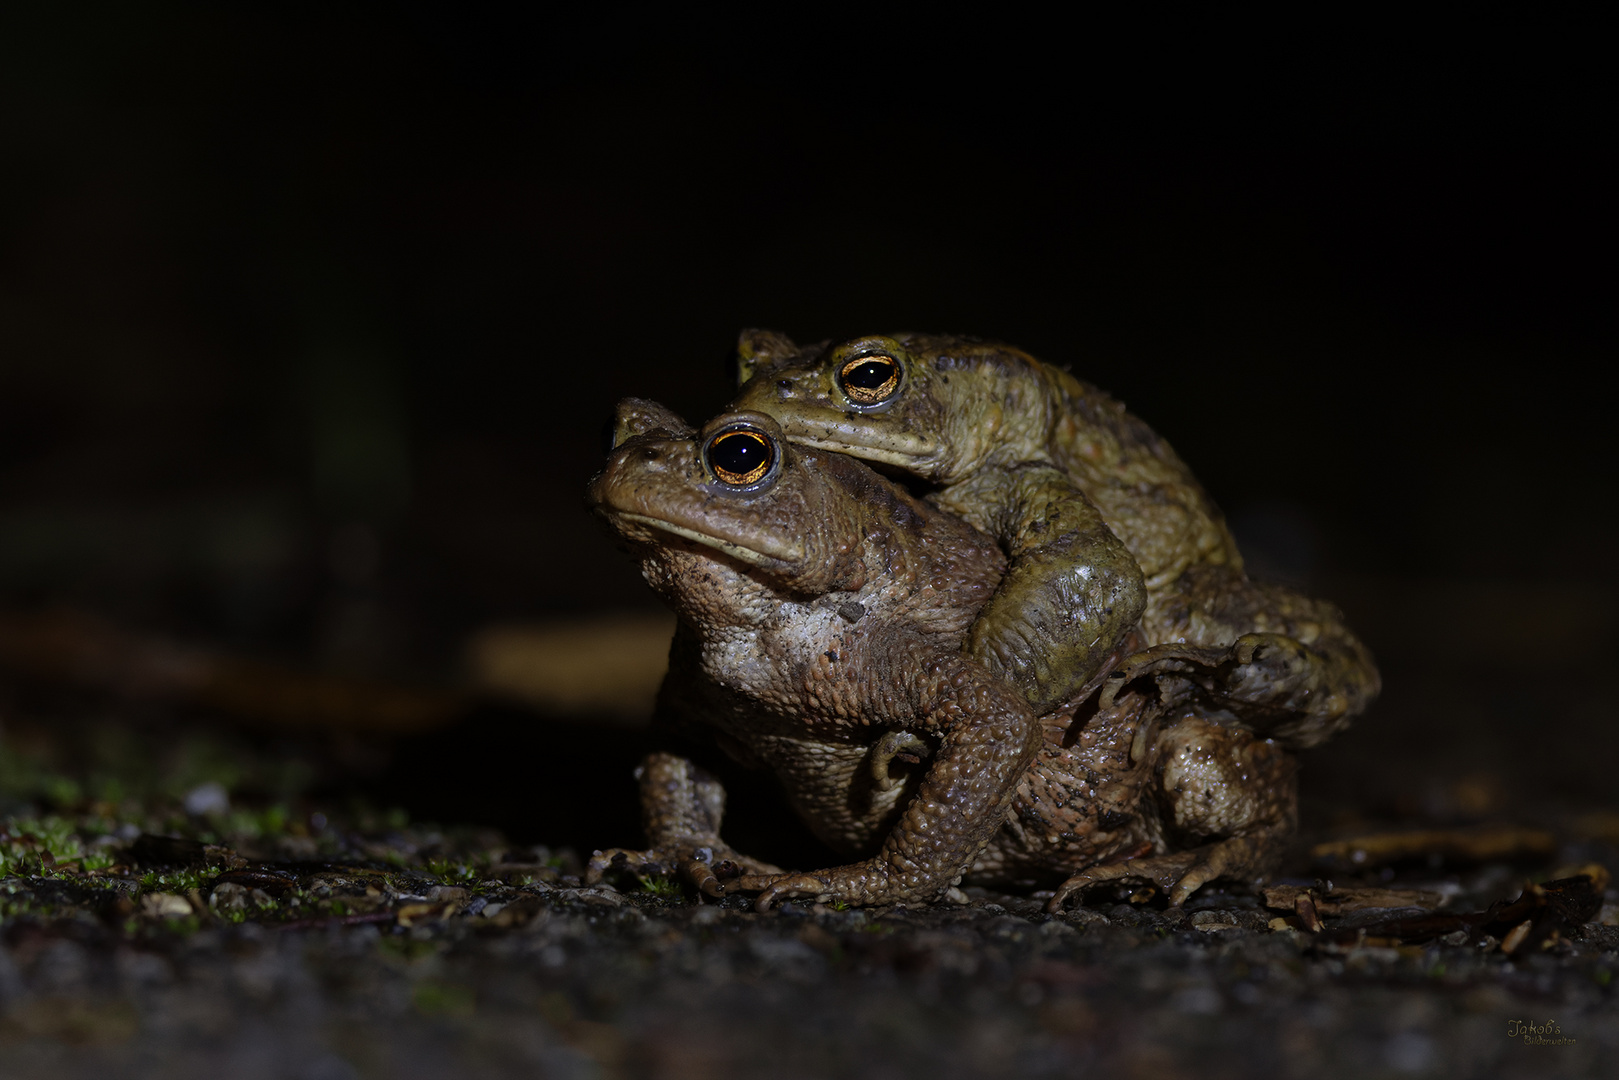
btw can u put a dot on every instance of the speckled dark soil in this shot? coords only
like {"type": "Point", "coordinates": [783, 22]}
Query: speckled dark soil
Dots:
{"type": "Point", "coordinates": [587, 982]}
{"type": "Point", "coordinates": [293, 932]}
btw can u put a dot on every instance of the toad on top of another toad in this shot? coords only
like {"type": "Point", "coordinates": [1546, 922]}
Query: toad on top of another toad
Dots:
{"type": "Point", "coordinates": [1055, 469]}
{"type": "Point", "coordinates": [822, 611]}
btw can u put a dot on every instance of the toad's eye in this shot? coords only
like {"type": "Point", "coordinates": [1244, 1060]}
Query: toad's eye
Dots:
{"type": "Point", "coordinates": [741, 456]}
{"type": "Point", "coordinates": [869, 380]}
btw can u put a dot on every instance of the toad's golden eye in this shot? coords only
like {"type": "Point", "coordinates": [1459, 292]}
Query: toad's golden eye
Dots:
{"type": "Point", "coordinates": [869, 380]}
{"type": "Point", "coordinates": [741, 456]}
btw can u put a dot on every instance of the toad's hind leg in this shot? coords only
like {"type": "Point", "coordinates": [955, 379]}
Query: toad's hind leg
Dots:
{"type": "Point", "coordinates": [1286, 664]}
{"type": "Point", "coordinates": [1218, 784]}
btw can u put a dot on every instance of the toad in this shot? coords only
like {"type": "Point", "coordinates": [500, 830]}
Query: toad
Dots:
{"type": "Point", "coordinates": [822, 613]}
{"type": "Point", "coordinates": [1054, 469]}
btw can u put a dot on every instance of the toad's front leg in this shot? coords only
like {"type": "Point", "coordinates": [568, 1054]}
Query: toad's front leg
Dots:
{"type": "Point", "coordinates": [1072, 591]}
{"type": "Point", "coordinates": [987, 740]}
{"type": "Point", "coordinates": [681, 809]}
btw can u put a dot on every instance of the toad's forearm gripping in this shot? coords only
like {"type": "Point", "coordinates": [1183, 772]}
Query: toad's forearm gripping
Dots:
{"type": "Point", "coordinates": [1071, 592]}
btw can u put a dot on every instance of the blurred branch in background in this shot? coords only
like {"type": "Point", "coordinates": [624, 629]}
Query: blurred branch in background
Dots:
{"type": "Point", "coordinates": [78, 649]}
{"type": "Point", "coordinates": [604, 667]}
{"type": "Point", "coordinates": [609, 666]}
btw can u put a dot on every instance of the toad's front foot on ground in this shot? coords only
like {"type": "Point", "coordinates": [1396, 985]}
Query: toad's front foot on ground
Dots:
{"type": "Point", "coordinates": [1178, 874]}
{"type": "Point", "coordinates": [711, 871]}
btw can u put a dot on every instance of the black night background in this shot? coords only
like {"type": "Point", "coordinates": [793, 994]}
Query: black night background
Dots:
{"type": "Point", "coordinates": [311, 317]}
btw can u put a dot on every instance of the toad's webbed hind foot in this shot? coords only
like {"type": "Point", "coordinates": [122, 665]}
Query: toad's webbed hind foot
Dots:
{"type": "Point", "coordinates": [1178, 874]}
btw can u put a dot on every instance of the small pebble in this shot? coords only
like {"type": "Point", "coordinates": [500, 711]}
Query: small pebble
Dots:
{"type": "Point", "coordinates": [207, 799]}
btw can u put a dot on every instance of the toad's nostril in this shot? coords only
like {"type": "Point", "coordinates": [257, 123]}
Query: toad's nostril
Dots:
{"type": "Point", "coordinates": [650, 453]}
{"type": "Point", "coordinates": [784, 388]}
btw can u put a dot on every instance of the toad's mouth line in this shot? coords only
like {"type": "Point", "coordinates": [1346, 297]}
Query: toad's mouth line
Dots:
{"type": "Point", "coordinates": [855, 448]}
{"type": "Point", "coordinates": [858, 449]}
{"type": "Point", "coordinates": [731, 548]}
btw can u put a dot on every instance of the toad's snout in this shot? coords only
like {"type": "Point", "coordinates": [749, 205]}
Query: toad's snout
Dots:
{"type": "Point", "coordinates": [640, 473]}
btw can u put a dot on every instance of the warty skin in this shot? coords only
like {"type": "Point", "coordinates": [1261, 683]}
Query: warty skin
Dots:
{"type": "Point", "coordinates": [822, 616]}
{"type": "Point", "coordinates": [1105, 528]}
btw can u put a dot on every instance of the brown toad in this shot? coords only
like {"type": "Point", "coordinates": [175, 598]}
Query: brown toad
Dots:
{"type": "Point", "coordinates": [1054, 469]}
{"type": "Point", "coordinates": [822, 616]}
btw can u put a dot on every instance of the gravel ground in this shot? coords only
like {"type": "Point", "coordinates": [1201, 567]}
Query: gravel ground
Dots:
{"type": "Point", "coordinates": [186, 901]}
{"type": "Point", "coordinates": [573, 982]}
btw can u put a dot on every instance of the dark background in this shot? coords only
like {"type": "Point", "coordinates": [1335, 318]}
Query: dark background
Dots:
{"type": "Point", "coordinates": [309, 321]}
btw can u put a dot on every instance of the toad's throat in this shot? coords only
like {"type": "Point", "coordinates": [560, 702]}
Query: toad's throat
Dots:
{"type": "Point", "coordinates": [751, 556]}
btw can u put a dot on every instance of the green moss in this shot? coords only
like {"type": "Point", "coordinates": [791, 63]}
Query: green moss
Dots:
{"type": "Point", "coordinates": [29, 837]}
{"type": "Point", "coordinates": [452, 872]}
{"type": "Point", "coordinates": [659, 885]}
{"type": "Point", "coordinates": [177, 881]}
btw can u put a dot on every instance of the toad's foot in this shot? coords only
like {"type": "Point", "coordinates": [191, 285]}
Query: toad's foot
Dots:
{"type": "Point", "coordinates": [1179, 874]}
{"type": "Point", "coordinates": [1195, 662]}
{"type": "Point", "coordinates": [859, 885]}
{"type": "Point", "coordinates": [712, 871]}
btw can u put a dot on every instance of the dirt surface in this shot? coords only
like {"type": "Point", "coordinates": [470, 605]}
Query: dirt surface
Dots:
{"type": "Point", "coordinates": [191, 901]}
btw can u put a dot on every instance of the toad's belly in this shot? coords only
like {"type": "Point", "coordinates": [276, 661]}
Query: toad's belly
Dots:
{"type": "Point", "coordinates": [830, 787]}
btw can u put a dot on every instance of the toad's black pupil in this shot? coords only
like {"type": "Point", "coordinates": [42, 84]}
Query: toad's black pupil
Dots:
{"type": "Point", "coordinates": [871, 375]}
{"type": "Point", "coordinates": [739, 453]}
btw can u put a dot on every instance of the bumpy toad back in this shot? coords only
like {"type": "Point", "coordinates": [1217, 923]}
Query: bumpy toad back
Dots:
{"type": "Point", "coordinates": [975, 421]}
{"type": "Point", "coordinates": [1055, 470]}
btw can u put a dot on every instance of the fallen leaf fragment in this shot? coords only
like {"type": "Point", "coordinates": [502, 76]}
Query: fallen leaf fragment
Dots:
{"type": "Point", "coordinates": [77, 648]}
{"type": "Point", "coordinates": [1539, 915]}
{"type": "Point", "coordinates": [1304, 907]}
{"type": "Point", "coordinates": [411, 914]}
{"type": "Point", "coordinates": [1343, 901]}
{"type": "Point", "coordinates": [1516, 935]}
